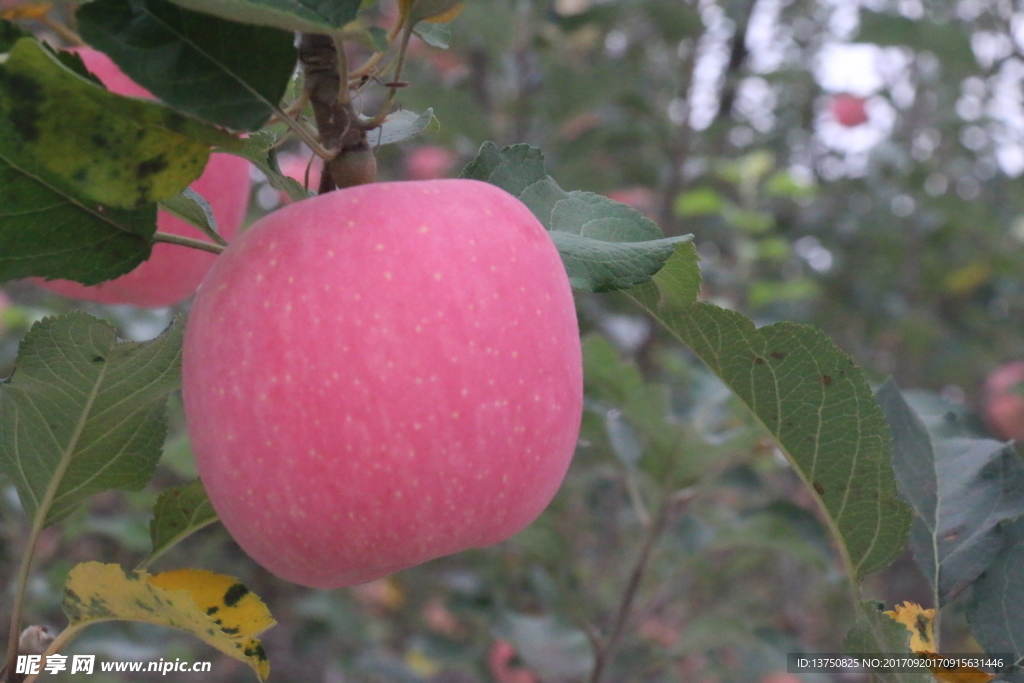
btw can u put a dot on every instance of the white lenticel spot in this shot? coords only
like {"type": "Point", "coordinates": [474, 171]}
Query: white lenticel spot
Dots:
{"type": "Point", "coordinates": [387, 276]}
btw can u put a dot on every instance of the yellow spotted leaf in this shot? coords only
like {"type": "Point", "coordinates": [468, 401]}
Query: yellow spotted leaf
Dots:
{"type": "Point", "coordinates": [213, 607]}
{"type": "Point", "coordinates": [116, 151]}
{"type": "Point", "coordinates": [921, 624]}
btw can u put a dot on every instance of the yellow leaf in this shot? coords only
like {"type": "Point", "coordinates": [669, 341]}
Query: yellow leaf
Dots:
{"type": "Point", "coordinates": [31, 10]}
{"type": "Point", "coordinates": [921, 624]}
{"type": "Point", "coordinates": [432, 11]}
{"type": "Point", "coordinates": [213, 607]}
{"type": "Point", "coordinates": [445, 17]}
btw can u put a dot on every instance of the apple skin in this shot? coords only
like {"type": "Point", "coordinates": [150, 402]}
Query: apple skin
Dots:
{"type": "Point", "coordinates": [1003, 405]}
{"type": "Point", "coordinates": [172, 273]}
{"type": "Point", "coordinates": [848, 110]}
{"type": "Point", "coordinates": [383, 375]}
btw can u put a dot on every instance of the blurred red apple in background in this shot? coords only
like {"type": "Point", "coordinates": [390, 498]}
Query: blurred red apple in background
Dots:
{"type": "Point", "coordinates": [294, 166]}
{"type": "Point", "coordinates": [430, 162]}
{"type": "Point", "coordinates": [382, 375]}
{"type": "Point", "coordinates": [172, 272]}
{"type": "Point", "coordinates": [640, 198]}
{"type": "Point", "coordinates": [849, 110]}
{"type": "Point", "coordinates": [1004, 401]}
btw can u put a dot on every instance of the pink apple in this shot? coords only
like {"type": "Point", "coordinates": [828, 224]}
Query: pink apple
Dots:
{"type": "Point", "coordinates": [172, 272]}
{"type": "Point", "coordinates": [383, 375]}
{"type": "Point", "coordinates": [501, 664]}
{"type": "Point", "coordinates": [429, 163]}
{"type": "Point", "coordinates": [1004, 402]}
{"type": "Point", "coordinates": [848, 110]}
{"type": "Point", "coordinates": [5, 303]}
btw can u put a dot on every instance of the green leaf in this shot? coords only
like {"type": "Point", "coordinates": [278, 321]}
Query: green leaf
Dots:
{"type": "Point", "coordinates": [556, 652]}
{"type": "Point", "coordinates": [701, 201]}
{"type": "Point", "coordinates": [259, 149]}
{"type": "Point", "coordinates": [224, 72]}
{"type": "Point", "coordinates": [190, 206]}
{"type": "Point", "coordinates": [875, 633]}
{"type": "Point", "coordinates": [84, 413]}
{"type": "Point", "coordinates": [48, 231]}
{"type": "Point", "coordinates": [316, 16]}
{"type": "Point", "coordinates": [179, 512]}
{"type": "Point", "coordinates": [639, 415]}
{"type": "Point", "coordinates": [10, 34]}
{"type": "Point", "coordinates": [817, 403]}
{"type": "Point", "coordinates": [399, 126]}
{"type": "Point", "coordinates": [996, 609]}
{"type": "Point", "coordinates": [605, 245]}
{"type": "Point", "coordinates": [960, 489]}
{"type": "Point", "coordinates": [112, 150]}
{"type": "Point", "coordinates": [434, 35]}
{"type": "Point", "coordinates": [597, 266]}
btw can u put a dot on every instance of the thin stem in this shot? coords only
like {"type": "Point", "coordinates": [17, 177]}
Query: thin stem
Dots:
{"type": "Point", "coordinates": [188, 242]}
{"type": "Point", "coordinates": [604, 653]}
{"type": "Point", "coordinates": [370, 64]}
{"type": "Point", "coordinates": [390, 99]}
{"type": "Point", "coordinates": [64, 32]}
{"type": "Point", "coordinates": [19, 595]}
{"type": "Point", "coordinates": [343, 94]}
{"type": "Point", "coordinates": [303, 134]}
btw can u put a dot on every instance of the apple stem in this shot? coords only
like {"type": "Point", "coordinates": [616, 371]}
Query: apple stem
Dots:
{"type": "Point", "coordinates": [188, 242]}
{"type": "Point", "coordinates": [605, 651]}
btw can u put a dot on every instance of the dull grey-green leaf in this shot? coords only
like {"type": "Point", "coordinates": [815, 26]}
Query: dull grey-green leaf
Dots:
{"type": "Point", "coordinates": [996, 609]}
{"type": "Point", "coordinates": [960, 490]}
{"type": "Point", "coordinates": [605, 245]}
{"type": "Point", "coordinates": [598, 266]}
{"type": "Point", "coordinates": [84, 413]}
{"type": "Point", "coordinates": [557, 652]}
{"type": "Point", "coordinates": [400, 126]}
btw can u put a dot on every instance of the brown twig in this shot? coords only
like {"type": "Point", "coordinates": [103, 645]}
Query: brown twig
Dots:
{"type": "Point", "coordinates": [606, 650]}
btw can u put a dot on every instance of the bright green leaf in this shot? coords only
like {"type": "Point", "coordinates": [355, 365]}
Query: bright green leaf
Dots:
{"type": "Point", "coordinates": [434, 35]}
{"type": "Point", "coordinates": [84, 413]}
{"type": "Point", "coordinates": [221, 71]}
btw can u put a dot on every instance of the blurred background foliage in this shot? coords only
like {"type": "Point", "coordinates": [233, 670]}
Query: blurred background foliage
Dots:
{"type": "Point", "coordinates": [852, 165]}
